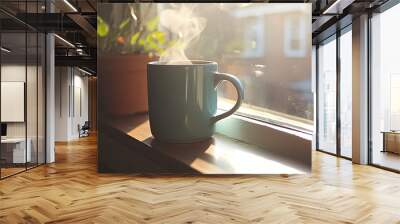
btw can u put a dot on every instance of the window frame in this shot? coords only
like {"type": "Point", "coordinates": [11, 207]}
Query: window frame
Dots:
{"type": "Point", "coordinates": [333, 37]}
{"type": "Point", "coordinates": [380, 9]}
{"type": "Point", "coordinates": [27, 29]}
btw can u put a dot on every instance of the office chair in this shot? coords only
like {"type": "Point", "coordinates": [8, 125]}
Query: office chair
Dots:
{"type": "Point", "coordinates": [84, 130]}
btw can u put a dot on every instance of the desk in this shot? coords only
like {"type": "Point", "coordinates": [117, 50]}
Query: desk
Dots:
{"type": "Point", "coordinates": [13, 150]}
{"type": "Point", "coordinates": [391, 141]}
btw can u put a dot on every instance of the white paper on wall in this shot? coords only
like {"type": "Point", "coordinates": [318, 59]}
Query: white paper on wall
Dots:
{"type": "Point", "coordinates": [12, 101]}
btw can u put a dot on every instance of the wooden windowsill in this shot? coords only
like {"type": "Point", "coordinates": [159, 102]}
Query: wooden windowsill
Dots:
{"type": "Point", "coordinates": [218, 155]}
{"type": "Point", "coordinates": [271, 116]}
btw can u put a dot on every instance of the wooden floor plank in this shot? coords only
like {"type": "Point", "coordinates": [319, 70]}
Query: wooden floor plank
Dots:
{"type": "Point", "coordinates": [71, 191]}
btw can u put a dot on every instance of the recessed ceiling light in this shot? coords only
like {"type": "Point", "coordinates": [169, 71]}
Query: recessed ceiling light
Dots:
{"type": "Point", "coordinates": [65, 41]}
{"type": "Point", "coordinates": [84, 71]}
{"type": "Point", "coordinates": [337, 7]}
{"type": "Point", "coordinates": [70, 5]}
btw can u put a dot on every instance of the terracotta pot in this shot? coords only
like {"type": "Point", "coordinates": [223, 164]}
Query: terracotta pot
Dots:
{"type": "Point", "coordinates": [124, 83]}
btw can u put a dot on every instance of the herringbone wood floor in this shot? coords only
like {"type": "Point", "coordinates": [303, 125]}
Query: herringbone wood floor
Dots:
{"type": "Point", "coordinates": [71, 191]}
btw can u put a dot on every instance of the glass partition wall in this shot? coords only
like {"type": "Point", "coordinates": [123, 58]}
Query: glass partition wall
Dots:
{"type": "Point", "coordinates": [345, 61]}
{"type": "Point", "coordinates": [327, 95]}
{"type": "Point", "coordinates": [385, 89]}
{"type": "Point", "coordinates": [22, 94]}
{"type": "Point", "coordinates": [14, 156]}
{"type": "Point", "coordinates": [334, 105]}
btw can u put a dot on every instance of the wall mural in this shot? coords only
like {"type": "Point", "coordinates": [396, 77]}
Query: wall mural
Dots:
{"type": "Point", "coordinates": [193, 88]}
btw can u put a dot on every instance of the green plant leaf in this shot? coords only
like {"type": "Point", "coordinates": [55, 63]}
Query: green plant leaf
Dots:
{"type": "Point", "coordinates": [152, 45]}
{"type": "Point", "coordinates": [141, 42]}
{"type": "Point", "coordinates": [134, 38]}
{"type": "Point", "coordinates": [102, 27]}
{"type": "Point", "coordinates": [124, 23]}
{"type": "Point", "coordinates": [159, 36]}
{"type": "Point", "coordinates": [149, 38]}
{"type": "Point", "coordinates": [152, 24]}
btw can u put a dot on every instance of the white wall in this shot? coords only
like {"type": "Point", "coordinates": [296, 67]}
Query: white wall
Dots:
{"type": "Point", "coordinates": [61, 103]}
{"type": "Point", "coordinates": [70, 83]}
{"type": "Point", "coordinates": [33, 127]}
{"type": "Point", "coordinates": [16, 73]}
{"type": "Point", "coordinates": [79, 117]}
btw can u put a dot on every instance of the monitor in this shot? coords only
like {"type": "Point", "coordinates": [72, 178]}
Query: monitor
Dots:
{"type": "Point", "coordinates": [3, 129]}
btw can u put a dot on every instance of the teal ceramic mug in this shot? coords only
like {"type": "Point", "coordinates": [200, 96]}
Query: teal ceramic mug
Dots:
{"type": "Point", "coordinates": [183, 100]}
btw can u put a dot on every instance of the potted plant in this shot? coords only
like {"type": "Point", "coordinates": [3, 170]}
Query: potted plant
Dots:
{"type": "Point", "coordinates": [127, 42]}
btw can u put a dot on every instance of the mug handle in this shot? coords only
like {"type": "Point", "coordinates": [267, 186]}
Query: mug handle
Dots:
{"type": "Point", "coordinates": [239, 89]}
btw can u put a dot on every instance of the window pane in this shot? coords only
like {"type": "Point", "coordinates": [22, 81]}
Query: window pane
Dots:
{"type": "Point", "coordinates": [41, 98]}
{"type": "Point", "coordinates": [346, 94]}
{"type": "Point", "coordinates": [386, 89]}
{"type": "Point", "coordinates": [21, 89]}
{"type": "Point", "coordinates": [271, 54]}
{"type": "Point", "coordinates": [31, 99]}
{"type": "Point", "coordinates": [327, 96]}
{"type": "Point", "coordinates": [14, 153]}
{"type": "Point", "coordinates": [268, 48]}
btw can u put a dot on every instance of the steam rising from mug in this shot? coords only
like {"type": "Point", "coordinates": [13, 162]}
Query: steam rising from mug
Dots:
{"type": "Point", "coordinates": [180, 21]}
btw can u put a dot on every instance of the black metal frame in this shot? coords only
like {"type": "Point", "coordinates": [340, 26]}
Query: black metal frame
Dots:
{"type": "Point", "coordinates": [0, 88]}
{"type": "Point", "coordinates": [369, 100]}
{"type": "Point", "coordinates": [44, 70]}
{"type": "Point", "coordinates": [338, 98]}
{"type": "Point", "coordinates": [387, 5]}
{"type": "Point", "coordinates": [339, 32]}
{"type": "Point", "coordinates": [316, 120]}
{"type": "Point", "coordinates": [317, 94]}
